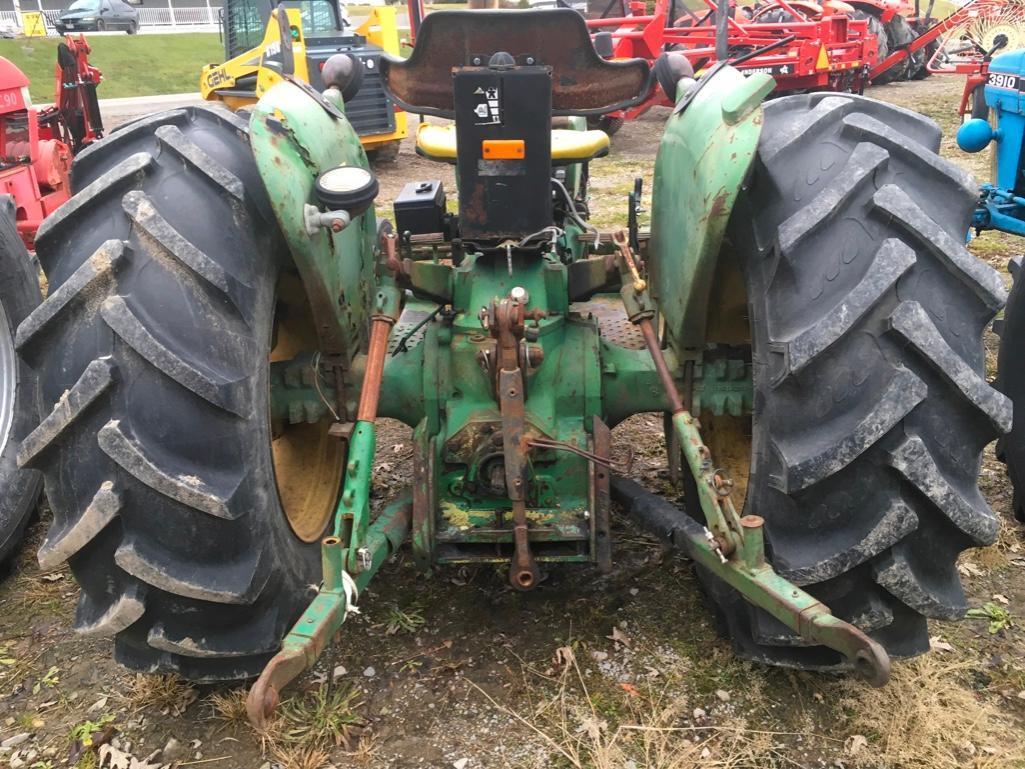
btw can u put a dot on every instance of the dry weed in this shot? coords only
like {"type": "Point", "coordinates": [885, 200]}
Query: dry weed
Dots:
{"type": "Point", "coordinates": [653, 734]}
{"type": "Point", "coordinates": [167, 694]}
{"type": "Point", "coordinates": [230, 705]}
{"type": "Point", "coordinates": [926, 718]}
{"type": "Point", "coordinates": [299, 757]}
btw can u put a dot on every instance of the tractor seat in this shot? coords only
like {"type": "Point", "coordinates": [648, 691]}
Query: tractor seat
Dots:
{"type": "Point", "coordinates": [438, 142]}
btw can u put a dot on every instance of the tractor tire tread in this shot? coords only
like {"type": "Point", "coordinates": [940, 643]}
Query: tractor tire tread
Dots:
{"type": "Point", "coordinates": [873, 415]}
{"type": "Point", "coordinates": [162, 270]}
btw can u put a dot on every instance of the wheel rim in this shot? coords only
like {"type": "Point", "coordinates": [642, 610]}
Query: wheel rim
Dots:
{"type": "Point", "coordinates": [8, 379]}
{"type": "Point", "coordinates": [307, 461]}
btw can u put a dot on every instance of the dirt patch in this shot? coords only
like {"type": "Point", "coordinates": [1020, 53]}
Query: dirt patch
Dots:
{"type": "Point", "coordinates": [623, 671]}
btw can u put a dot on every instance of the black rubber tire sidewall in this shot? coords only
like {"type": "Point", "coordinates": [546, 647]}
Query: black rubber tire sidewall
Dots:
{"type": "Point", "coordinates": [1011, 382]}
{"type": "Point", "coordinates": [247, 550]}
{"type": "Point", "coordinates": [19, 294]}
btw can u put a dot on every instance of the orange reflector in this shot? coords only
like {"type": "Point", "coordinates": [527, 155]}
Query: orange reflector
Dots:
{"type": "Point", "coordinates": [822, 62]}
{"type": "Point", "coordinates": [504, 149]}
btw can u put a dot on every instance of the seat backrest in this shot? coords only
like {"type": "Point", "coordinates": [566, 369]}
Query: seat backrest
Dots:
{"type": "Point", "coordinates": [582, 82]}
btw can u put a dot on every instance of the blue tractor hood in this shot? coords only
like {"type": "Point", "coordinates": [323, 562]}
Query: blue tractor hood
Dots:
{"type": "Point", "coordinates": [1005, 95]}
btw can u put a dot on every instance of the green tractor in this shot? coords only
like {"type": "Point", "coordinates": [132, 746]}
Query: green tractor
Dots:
{"type": "Point", "coordinates": [227, 318]}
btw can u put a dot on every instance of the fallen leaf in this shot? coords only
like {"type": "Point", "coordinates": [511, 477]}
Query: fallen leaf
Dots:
{"type": "Point", "coordinates": [855, 744]}
{"type": "Point", "coordinates": [52, 577]}
{"type": "Point", "coordinates": [1001, 598]}
{"type": "Point", "coordinates": [564, 657]}
{"type": "Point", "coordinates": [969, 569]}
{"type": "Point", "coordinates": [938, 644]}
{"type": "Point", "coordinates": [619, 637]}
{"type": "Point", "coordinates": [112, 758]}
{"type": "Point", "coordinates": [630, 689]}
{"type": "Point", "coordinates": [592, 727]}
{"type": "Point", "coordinates": [97, 706]}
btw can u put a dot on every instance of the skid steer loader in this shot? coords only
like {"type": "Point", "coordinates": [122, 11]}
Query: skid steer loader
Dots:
{"type": "Point", "coordinates": [228, 318]}
{"type": "Point", "coordinates": [318, 29]}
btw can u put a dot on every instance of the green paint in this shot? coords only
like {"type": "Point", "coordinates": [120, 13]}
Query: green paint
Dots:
{"type": "Point", "coordinates": [294, 139]}
{"type": "Point", "coordinates": [703, 158]}
{"type": "Point", "coordinates": [441, 384]}
{"type": "Point", "coordinates": [322, 618]}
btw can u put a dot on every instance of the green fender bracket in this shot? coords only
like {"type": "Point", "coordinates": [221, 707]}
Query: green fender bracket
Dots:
{"type": "Point", "coordinates": [704, 157]}
{"type": "Point", "coordinates": [295, 136]}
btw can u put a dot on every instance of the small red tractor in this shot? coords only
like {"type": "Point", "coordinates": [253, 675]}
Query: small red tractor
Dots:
{"type": "Point", "coordinates": [36, 148]}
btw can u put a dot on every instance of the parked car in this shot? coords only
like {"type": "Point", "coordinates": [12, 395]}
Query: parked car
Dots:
{"type": "Point", "coordinates": [97, 16]}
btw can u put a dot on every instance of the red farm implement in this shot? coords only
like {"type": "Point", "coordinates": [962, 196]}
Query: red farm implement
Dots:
{"type": "Point", "coordinates": [827, 52]}
{"type": "Point", "coordinates": [37, 145]}
{"type": "Point", "coordinates": [837, 46]}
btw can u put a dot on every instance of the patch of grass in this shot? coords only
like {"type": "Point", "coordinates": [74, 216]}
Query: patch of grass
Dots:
{"type": "Point", "coordinates": [132, 65]}
{"type": "Point", "coordinates": [404, 620]}
{"type": "Point", "coordinates": [326, 716]}
{"type": "Point", "coordinates": [927, 718]}
{"type": "Point", "coordinates": [648, 727]}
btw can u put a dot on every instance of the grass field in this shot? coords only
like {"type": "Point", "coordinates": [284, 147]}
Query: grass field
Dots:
{"type": "Point", "coordinates": [140, 65]}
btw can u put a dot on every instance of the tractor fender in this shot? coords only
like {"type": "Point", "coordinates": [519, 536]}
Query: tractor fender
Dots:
{"type": "Point", "coordinates": [297, 134]}
{"type": "Point", "coordinates": [704, 157]}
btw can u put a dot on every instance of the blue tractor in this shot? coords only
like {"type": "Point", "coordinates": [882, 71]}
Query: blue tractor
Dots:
{"type": "Point", "coordinates": [1002, 207]}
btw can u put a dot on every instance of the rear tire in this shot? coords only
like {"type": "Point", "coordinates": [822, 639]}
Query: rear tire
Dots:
{"type": "Point", "coordinates": [889, 38]}
{"type": "Point", "coordinates": [133, 27]}
{"type": "Point", "coordinates": [876, 28]}
{"type": "Point", "coordinates": [872, 409]}
{"type": "Point", "coordinates": [1011, 382]}
{"type": "Point", "coordinates": [19, 402]}
{"type": "Point", "coordinates": [152, 353]}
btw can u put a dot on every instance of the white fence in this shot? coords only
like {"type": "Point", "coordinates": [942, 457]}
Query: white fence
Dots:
{"type": "Point", "coordinates": [195, 16]}
{"type": "Point", "coordinates": [173, 17]}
